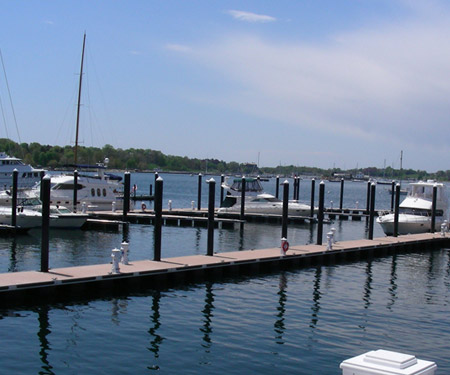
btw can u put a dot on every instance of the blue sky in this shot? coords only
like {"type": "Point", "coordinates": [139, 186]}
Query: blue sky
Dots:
{"type": "Point", "coordinates": [318, 83]}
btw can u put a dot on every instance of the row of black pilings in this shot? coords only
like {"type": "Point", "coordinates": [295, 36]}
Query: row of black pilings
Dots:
{"type": "Point", "coordinates": [370, 209]}
{"type": "Point", "coordinates": [45, 197]}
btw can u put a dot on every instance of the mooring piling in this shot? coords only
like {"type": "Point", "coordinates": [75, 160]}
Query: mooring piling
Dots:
{"type": "Point", "coordinates": [75, 190]}
{"type": "Point", "coordinates": [396, 209]}
{"type": "Point", "coordinates": [158, 219]}
{"type": "Point", "coordinates": [212, 194]}
{"type": "Point", "coordinates": [14, 198]}
{"type": "Point", "coordinates": [372, 210]}
{"type": "Point", "coordinates": [320, 213]}
{"type": "Point", "coordinates": [45, 190]}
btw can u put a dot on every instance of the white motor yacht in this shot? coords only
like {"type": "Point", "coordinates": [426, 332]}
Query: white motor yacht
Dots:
{"type": "Point", "coordinates": [27, 175]}
{"type": "Point", "coordinates": [29, 215]}
{"type": "Point", "coordinates": [416, 209]}
{"type": "Point", "coordinates": [256, 201]}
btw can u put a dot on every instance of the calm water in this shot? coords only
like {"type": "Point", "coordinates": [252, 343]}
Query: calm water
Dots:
{"type": "Point", "coordinates": [303, 321]}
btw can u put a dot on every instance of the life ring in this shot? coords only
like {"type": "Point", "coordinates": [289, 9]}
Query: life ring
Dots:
{"type": "Point", "coordinates": [285, 246]}
{"type": "Point", "coordinates": [143, 206]}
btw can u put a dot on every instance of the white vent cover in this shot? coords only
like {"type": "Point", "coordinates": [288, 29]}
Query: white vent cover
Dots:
{"type": "Point", "coordinates": [385, 362]}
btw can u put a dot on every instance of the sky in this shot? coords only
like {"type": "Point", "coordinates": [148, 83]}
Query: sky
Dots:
{"type": "Point", "coordinates": [320, 83]}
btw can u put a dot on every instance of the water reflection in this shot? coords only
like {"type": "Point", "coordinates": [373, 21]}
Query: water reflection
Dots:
{"type": "Point", "coordinates": [316, 298]}
{"type": "Point", "coordinates": [279, 325]}
{"type": "Point", "coordinates": [13, 256]}
{"type": "Point", "coordinates": [207, 314]}
{"type": "Point", "coordinates": [118, 306]}
{"type": "Point", "coordinates": [368, 285]}
{"type": "Point", "coordinates": [156, 339]}
{"type": "Point", "coordinates": [44, 344]}
{"type": "Point", "coordinates": [198, 239]}
{"type": "Point", "coordinates": [393, 283]}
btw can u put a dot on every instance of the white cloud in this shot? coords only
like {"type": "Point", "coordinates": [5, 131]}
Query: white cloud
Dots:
{"type": "Point", "coordinates": [178, 47]}
{"type": "Point", "coordinates": [250, 17]}
{"type": "Point", "coordinates": [386, 86]}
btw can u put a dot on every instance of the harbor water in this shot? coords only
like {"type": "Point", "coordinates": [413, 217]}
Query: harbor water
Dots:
{"type": "Point", "coordinates": [303, 321]}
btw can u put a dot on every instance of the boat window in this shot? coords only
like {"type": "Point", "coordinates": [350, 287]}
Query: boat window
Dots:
{"type": "Point", "coordinates": [68, 186]}
{"type": "Point", "coordinates": [104, 192]}
{"type": "Point", "coordinates": [98, 192]}
{"type": "Point", "coordinates": [93, 192]}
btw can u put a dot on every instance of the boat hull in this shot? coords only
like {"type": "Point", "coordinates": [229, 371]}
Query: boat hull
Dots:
{"type": "Point", "coordinates": [408, 224]}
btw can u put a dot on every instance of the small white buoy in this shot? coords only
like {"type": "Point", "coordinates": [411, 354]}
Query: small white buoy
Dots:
{"type": "Point", "coordinates": [115, 255]}
{"type": "Point", "coordinates": [124, 250]}
{"type": "Point", "coordinates": [385, 362]}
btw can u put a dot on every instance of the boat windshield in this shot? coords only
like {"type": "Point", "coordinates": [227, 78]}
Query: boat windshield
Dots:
{"type": "Point", "coordinates": [251, 185]}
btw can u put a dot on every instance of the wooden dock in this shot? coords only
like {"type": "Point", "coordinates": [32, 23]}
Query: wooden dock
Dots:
{"type": "Point", "coordinates": [72, 283]}
{"type": "Point", "coordinates": [189, 217]}
{"type": "Point", "coordinates": [173, 218]}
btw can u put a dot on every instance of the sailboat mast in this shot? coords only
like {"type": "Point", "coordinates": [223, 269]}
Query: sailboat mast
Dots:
{"type": "Point", "coordinates": [79, 101]}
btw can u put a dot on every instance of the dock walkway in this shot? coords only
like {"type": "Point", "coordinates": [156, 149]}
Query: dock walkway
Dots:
{"type": "Point", "coordinates": [23, 287]}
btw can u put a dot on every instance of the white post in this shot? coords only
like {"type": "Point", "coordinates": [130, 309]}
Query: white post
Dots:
{"type": "Point", "coordinates": [83, 207]}
{"type": "Point", "coordinates": [334, 234]}
{"type": "Point", "coordinates": [115, 255]}
{"type": "Point", "coordinates": [192, 205]}
{"type": "Point", "coordinates": [331, 204]}
{"type": "Point", "coordinates": [124, 250]}
{"type": "Point", "coordinates": [114, 206]}
{"type": "Point", "coordinates": [357, 204]}
{"type": "Point", "coordinates": [329, 241]}
{"type": "Point", "coordinates": [169, 205]}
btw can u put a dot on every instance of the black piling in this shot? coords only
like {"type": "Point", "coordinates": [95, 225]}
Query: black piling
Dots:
{"type": "Point", "coordinates": [45, 190]}
{"type": "Point", "coordinates": [320, 214]}
{"type": "Point", "coordinates": [75, 190]}
{"type": "Point", "coordinates": [222, 180]}
{"type": "Point", "coordinates": [284, 220]}
{"type": "Point", "coordinates": [294, 189]}
{"type": "Point", "coordinates": [372, 210]}
{"type": "Point", "coordinates": [41, 175]}
{"type": "Point", "coordinates": [396, 209]}
{"type": "Point", "coordinates": [126, 195]}
{"type": "Point", "coordinates": [151, 190]}
{"type": "Point", "coordinates": [277, 187]}
{"type": "Point", "coordinates": [199, 192]}
{"type": "Point", "coordinates": [313, 190]}
{"type": "Point", "coordinates": [211, 198]}
{"type": "Point", "coordinates": [158, 218]}
{"type": "Point", "coordinates": [433, 209]}
{"type": "Point", "coordinates": [242, 216]}
{"type": "Point", "coordinates": [15, 176]}
{"type": "Point", "coordinates": [392, 195]}
{"type": "Point", "coordinates": [341, 197]}
{"type": "Point", "coordinates": [298, 188]}
{"type": "Point", "coordinates": [368, 197]}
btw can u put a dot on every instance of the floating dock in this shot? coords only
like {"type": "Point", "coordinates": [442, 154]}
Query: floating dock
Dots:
{"type": "Point", "coordinates": [72, 283]}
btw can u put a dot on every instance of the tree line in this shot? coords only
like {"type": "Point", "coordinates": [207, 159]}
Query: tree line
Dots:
{"type": "Point", "coordinates": [58, 157]}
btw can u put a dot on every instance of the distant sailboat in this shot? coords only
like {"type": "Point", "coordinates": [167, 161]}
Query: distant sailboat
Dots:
{"type": "Point", "coordinates": [402, 191]}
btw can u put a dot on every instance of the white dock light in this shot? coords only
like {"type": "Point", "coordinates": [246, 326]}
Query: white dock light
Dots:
{"type": "Point", "coordinates": [385, 362]}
